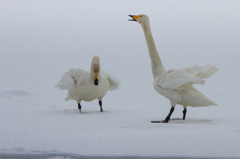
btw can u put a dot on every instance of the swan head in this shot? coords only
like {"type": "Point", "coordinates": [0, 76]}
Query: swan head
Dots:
{"type": "Point", "coordinates": [95, 68]}
{"type": "Point", "coordinates": [141, 19]}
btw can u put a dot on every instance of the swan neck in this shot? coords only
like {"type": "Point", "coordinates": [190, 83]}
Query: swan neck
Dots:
{"type": "Point", "coordinates": [157, 67]}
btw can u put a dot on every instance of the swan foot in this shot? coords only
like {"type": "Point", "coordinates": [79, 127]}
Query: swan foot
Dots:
{"type": "Point", "coordinates": [184, 113]}
{"type": "Point", "coordinates": [164, 121]}
{"type": "Point", "coordinates": [79, 107]}
{"type": "Point", "coordinates": [159, 121]}
{"type": "Point", "coordinates": [100, 104]}
{"type": "Point", "coordinates": [167, 118]}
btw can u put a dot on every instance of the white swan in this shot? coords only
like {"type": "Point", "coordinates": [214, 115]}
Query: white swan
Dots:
{"type": "Point", "coordinates": [175, 84]}
{"type": "Point", "coordinates": [87, 86]}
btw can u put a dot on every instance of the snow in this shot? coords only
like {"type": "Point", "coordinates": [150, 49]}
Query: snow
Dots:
{"type": "Point", "coordinates": [40, 40]}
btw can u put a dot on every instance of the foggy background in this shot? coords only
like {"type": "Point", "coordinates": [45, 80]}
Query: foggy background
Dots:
{"type": "Point", "coordinates": [40, 40]}
{"type": "Point", "coordinates": [189, 32]}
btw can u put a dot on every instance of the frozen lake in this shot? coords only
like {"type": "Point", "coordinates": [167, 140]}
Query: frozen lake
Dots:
{"type": "Point", "coordinates": [41, 40]}
{"type": "Point", "coordinates": [74, 156]}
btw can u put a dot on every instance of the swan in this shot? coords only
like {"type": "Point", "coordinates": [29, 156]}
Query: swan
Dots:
{"type": "Point", "coordinates": [175, 84]}
{"type": "Point", "coordinates": [88, 85]}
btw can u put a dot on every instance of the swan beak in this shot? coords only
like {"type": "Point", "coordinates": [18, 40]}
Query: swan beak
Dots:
{"type": "Point", "coordinates": [96, 80]}
{"type": "Point", "coordinates": [134, 17]}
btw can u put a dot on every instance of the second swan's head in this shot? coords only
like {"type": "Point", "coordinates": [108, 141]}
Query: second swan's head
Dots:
{"type": "Point", "coordinates": [142, 19]}
{"type": "Point", "coordinates": [95, 68]}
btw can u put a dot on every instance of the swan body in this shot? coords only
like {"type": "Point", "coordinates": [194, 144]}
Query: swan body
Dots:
{"type": "Point", "coordinates": [175, 84]}
{"type": "Point", "coordinates": [88, 85]}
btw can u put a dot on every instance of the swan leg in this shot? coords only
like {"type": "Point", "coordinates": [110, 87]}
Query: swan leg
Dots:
{"type": "Point", "coordinates": [169, 115]}
{"type": "Point", "coordinates": [184, 113]}
{"type": "Point", "coordinates": [79, 107]}
{"type": "Point", "coordinates": [100, 104]}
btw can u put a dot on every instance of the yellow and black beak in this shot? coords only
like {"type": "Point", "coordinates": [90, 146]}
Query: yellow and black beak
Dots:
{"type": "Point", "coordinates": [134, 17]}
{"type": "Point", "coordinates": [96, 80]}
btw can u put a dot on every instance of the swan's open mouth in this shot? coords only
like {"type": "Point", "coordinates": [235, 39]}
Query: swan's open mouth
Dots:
{"type": "Point", "coordinates": [134, 17]}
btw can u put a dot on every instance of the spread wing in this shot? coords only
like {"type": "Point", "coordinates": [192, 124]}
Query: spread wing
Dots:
{"type": "Point", "coordinates": [70, 78]}
{"type": "Point", "coordinates": [173, 79]}
{"type": "Point", "coordinates": [201, 71]}
{"type": "Point", "coordinates": [114, 82]}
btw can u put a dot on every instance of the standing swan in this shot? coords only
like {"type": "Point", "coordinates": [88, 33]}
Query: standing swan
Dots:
{"type": "Point", "coordinates": [87, 86]}
{"type": "Point", "coordinates": [175, 84]}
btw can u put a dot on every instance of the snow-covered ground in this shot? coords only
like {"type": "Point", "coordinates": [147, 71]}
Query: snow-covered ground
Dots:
{"type": "Point", "coordinates": [40, 40]}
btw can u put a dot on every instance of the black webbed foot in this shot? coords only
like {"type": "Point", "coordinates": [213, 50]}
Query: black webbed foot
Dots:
{"type": "Point", "coordinates": [79, 107]}
{"type": "Point", "coordinates": [100, 104]}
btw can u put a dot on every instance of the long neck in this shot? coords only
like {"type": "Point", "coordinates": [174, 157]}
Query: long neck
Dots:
{"type": "Point", "coordinates": [157, 67]}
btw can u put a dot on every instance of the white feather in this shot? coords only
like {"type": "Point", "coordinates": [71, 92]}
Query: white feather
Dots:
{"type": "Point", "coordinates": [114, 82]}
{"type": "Point", "coordinates": [80, 84]}
{"type": "Point", "coordinates": [176, 84]}
{"type": "Point", "coordinates": [173, 79]}
{"type": "Point", "coordinates": [68, 78]}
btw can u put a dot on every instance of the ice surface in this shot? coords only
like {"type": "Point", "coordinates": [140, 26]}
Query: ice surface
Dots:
{"type": "Point", "coordinates": [40, 40]}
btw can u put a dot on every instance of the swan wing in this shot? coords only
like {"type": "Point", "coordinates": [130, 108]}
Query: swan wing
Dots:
{"type": "Point", "coordinates": [201, 71]}
{"type": "Point", "coordinates": [70, 78]}
{"type": "Point", "coordinates": [113, 81]}
{"type": "Point", "coordinates": [173, 79]}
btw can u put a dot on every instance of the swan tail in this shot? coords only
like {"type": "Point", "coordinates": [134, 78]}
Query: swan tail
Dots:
{"type": "Point", "coordinates": [195, 98]}
{"type": "Point", "coordinates": [205, 101]}
{"type": "Point", "coordinates": [202, 72]}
